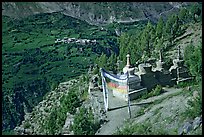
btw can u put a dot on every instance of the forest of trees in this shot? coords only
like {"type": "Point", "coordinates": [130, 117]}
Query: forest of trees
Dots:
{"type": "Point", "coordinates": [146, 43]}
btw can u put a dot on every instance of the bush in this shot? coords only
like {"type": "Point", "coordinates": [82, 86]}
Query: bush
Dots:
{"type": "Point", "coordinates": [71, 101]}
{"type": "Point", "coordinates": [84, 123]}
{"type": "Point", "coordinates": [145, 128]}
{"type": "Point", "coordinates": [155, 92]}
{"type": "Point", "coordinates": [194, 108]}
{"type": "Point", "coordinates": [193, 60]}
{"type": "Point", "coordinates": [27, 125]}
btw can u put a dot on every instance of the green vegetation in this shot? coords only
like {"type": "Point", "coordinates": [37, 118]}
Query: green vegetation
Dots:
{"type": "Point", "coordinates": [84, 123]}
{"type": "Point", "coordinates": [193, 60]}
{"type": "Point", "coordinates": [155, 37]}
{"type": "Point", "coordinates": [194, 108]}
{"type": "Point", "coordinates": [33, 64]}
{"type": "Point", "coordinates": [68, 104]}
{"type": "Point", "coordinates": [155, 92]}
{"type": "Point", "coordinates": [145, 128]}
{"type": "Point", "coordinates": [8, 132]}
{"type": "Point", "coordinates": [70, 101]}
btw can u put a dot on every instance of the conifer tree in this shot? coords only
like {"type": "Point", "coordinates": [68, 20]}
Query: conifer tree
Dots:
{"type": "Point", "coordinates": [195, 11]}
{"type": "Point", "coordinates": [172, 28]}
{"type": "Point", "coordinates": [102, 61]}
{"type": "Point", "coordinates": [159, 28]}
{"type": "Point", "coordinates": [147, 39]}
{"type": "Point", "coordinates": [112, 63]}
{"type": "Point", "coordinates": [123, 40]}
{"type": "Point", "coordinates": [183, 15]}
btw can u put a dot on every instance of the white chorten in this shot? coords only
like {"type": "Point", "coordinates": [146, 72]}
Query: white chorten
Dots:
{"type": "Point", "coordinates": [128, 68]}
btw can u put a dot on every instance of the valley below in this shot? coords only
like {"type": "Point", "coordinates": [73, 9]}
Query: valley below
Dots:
{"type": "Point", "coordinates": [53, 51]}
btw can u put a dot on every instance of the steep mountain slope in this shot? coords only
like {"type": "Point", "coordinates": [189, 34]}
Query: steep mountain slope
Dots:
{"type": "Point", "coordinates": [167, 111]}
{"type": "Point", "coordinates": [34, 64]}
{"type": "Point", "coordinates": [96, 12]}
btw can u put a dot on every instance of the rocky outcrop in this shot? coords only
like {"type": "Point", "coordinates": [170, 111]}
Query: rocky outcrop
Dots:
{"type": "Point", "coordinates": [96, 101]}
{"type": "Point", "coordinates": [190, 125]}
{"type": "Point", "coordinates": [34, 122]}
{"type": "Point", "coordinates": [96, 13]}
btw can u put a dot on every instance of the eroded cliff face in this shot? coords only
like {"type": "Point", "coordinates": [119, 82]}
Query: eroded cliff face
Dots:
{"type": "Point", "coordinates": [96, 12]}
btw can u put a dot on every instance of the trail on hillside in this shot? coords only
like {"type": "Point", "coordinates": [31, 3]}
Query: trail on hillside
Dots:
{"type": "Point", "coordinates": [118, 112]}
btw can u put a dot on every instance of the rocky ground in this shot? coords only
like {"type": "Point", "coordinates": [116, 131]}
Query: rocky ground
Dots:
{"type": "Point", "coordinates": [34, 121]}
{"type": "Point", "coordinates": [163, 111]}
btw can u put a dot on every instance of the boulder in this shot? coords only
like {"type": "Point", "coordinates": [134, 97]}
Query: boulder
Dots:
{"type": "Point", "coordinates": [196, 122]}
{"type": "Point", "coordinates": [187, 127]}
{"type": "Point", "coordinates": [180, 131]}
{"type": "Point", "coordinates": [195, 94]}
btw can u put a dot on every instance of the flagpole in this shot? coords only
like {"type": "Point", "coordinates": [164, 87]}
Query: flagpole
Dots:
{"type": "Point", "coordinates": [104, 91]}
{"type": "Point", "coordinates": [129, 111]}
{"type": "Point", "coordinates": [106, 94]}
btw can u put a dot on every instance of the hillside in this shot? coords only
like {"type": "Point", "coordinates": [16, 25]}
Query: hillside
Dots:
{"type": "Point", "coordinates": [163, 114]}
{"type": "Point", "coordinates": [48, 48]}
{"type": "Point", "coordinates": [96, 13]}
{"type": "Point", "coordinates": [33, 63]}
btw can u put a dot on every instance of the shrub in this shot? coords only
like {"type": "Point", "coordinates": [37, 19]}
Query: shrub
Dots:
{"type": "Point", "coordinates": [84, 123]}
{"type": "Point", "coordinates": [27, 125]}
{"type": "Point", "coordinates": [194, 108]}
{"type": "Point", "coordinates": [155, 92]}
{"type": "Point", "coordinates": [71, 101]}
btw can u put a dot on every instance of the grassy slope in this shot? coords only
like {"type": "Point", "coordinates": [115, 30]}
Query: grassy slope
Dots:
{"type": "Point", "coordinates": [29, 56]}
{"type": "Point", "coordinates": [156, 124]}
{"type": "Point", "coordinates": [32, 64]}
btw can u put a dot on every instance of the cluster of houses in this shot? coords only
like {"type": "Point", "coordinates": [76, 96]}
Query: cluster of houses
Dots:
{"type": "Point", "coordinates": [74, 40]}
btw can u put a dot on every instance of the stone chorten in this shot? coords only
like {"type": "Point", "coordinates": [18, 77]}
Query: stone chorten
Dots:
{"type": "Point", "coordinates": [147, 76]}
{"type": "Point", "coordinates": [160, 63]}
{"type": "Point", "coordinates": [161, 73]}
{"type": "Point", "coordinates": [134, 82]}
{"type": "Point", "coordinates": [178, 71]}
{"type": "Point", "coordinates": [128, 68]}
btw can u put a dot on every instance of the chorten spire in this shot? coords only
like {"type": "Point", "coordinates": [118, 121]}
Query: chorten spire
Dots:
{"type": "Point", "coordinates": [128, 68]}
{"type": "Point", "coordinates": [160, 55]}
{"type": "Point", "coordinates": [128, 60]}
{"type": "Point", "coordinates": [179, 53]}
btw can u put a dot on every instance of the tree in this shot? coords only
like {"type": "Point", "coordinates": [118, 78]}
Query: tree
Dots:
{"type": "Point", "coordinates": [112, 60]}
{"type": "Point", "coordinates": [159, 45]}
{"type": "Point", "coordinates": [183, 15]}
{"type": "Point", "coordinates": [195, 11]}
{"type": "Point", "coordinates": [71, 101]}
{"type": "Point", "coordinates": [193, 60]}
{"type": "Point", "coordinates": [102, 61]}
{"type": "Point", "coordinates": [147, 39]}
{"type": "Point", "coordinates": [159, 28]}
{"type": "Point", "coordinates": [84, 123]}
{"type": "Point", "coordinates": [123, 41]}
{"type": "Point", "coordinates": [51, 123]}
{"type": "Point", "coordinates": [135, 49]}
{"type": "Point", "coordinates": [172, 28]}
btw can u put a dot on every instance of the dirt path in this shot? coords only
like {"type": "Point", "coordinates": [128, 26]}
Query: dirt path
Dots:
{"type": "Point", "coordinates": [118, 112]}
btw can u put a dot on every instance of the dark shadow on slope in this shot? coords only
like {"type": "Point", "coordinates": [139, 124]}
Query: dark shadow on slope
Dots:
{"type": "Point", "coordinates": [140, 104]}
